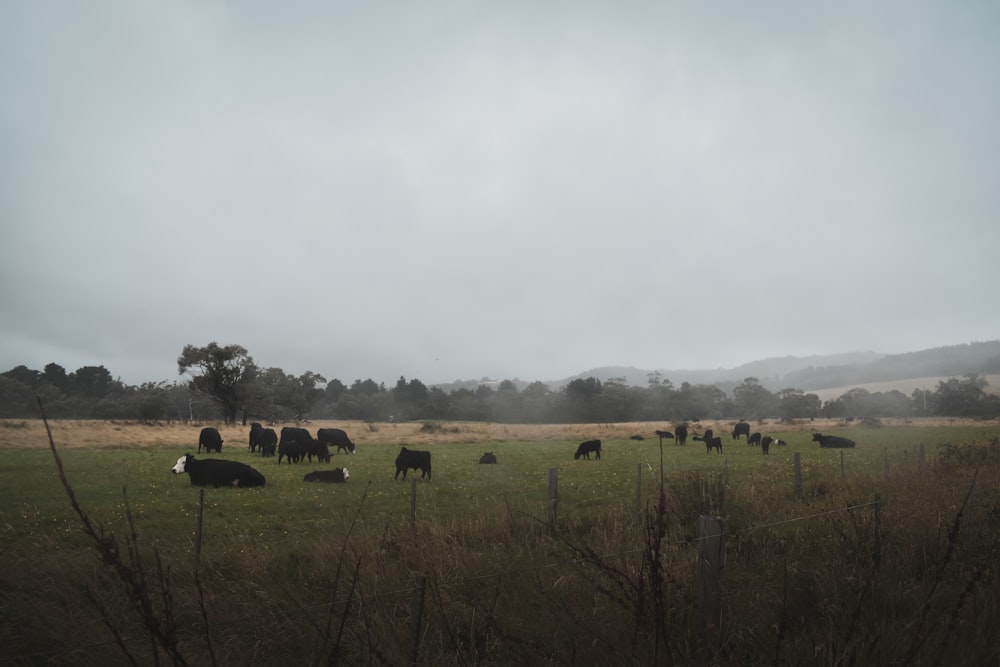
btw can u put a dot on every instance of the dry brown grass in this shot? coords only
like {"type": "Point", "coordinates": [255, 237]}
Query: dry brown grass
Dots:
{"type": "Point", "coordinates": [72, 433]}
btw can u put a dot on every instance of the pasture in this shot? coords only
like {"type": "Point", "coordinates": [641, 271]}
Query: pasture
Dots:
{"type": "Point", "coordinates": [308, 573]}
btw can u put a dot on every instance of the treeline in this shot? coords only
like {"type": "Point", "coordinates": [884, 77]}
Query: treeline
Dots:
{"type": "Point", "coordinates": [224, 383]}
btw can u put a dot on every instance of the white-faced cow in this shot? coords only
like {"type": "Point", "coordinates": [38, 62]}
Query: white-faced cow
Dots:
{"type": "Point", "coordinates": [210, 439]}
{"type": "Point", "coordinates": [488, 457]}
{"type": "Point", "coordinates": [832, 441]}
{"type": "Point", "coordinates": [335, 476]}
{"type": "Point", "coordinates": [413, 459]}
{"type": "Point", "coordinates": [217, 472]}
{"type": "Point", "coordinates": [741, 428]}
{"type": "Point", "coordinates": [336, 436]}
{"type": "Point", "coordinates": [586, 448]}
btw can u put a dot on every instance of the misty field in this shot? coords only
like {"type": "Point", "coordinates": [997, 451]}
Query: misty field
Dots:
{"type": "Point", "coordinates": [298, 573]}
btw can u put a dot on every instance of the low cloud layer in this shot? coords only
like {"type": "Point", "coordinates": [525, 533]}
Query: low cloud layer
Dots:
{"type": "Point", "coordinates": [454, 190]}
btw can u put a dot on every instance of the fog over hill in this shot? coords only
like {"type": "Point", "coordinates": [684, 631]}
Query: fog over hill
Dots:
{"type": "Point", "coordinates": [812, 373]}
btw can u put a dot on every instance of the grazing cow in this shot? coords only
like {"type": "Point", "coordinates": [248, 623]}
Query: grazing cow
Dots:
{"type": "Point", "coordinates": [832, 441]}
{"type": "Point", "coordinates": [663, 434]}
{"type": "Point", "coordinates": [210, 439]}
{"type": "Point", "coordinates": [320, 450]}
{"type": "Point", "coordinates": [335, 476]}
{"type": "Point", "coordinates": [417, 460]}
{"type": "Point", "coordinates": [294, 444]}
{"type": "Point", "coordinates": [681, 433]}
{"type": "Point", "coordinates": [488, 457]}
{"type": "Point", "coordinates": [741, 428]}
{"type": "Point", "coordinates": [267, 439]}
{"type": "Point", "coordinates": [711, 441]}
{"type": "Point", "coordinates": [754, 438]}
{"type": "Point", "coordinates": [586, 448]}
{"type": "Point", "coordinates": [765, 443]}
{"type": "Point", "coordinates": [217, 472]}
{"type": "Point", "coordinates": [292, 450]}
{"type": "Point", "coordinates": [335, 436]}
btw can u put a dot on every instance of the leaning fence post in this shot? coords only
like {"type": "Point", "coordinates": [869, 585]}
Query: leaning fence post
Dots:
{"type": "Point", "coordinates": [416, 616]}
{"type": "Point", "coordinates": [797, 464]}
{"type": "Point", "coordinates": [711, 558]}
{"type": "Point", "coordinates": [553, 495]}
{"type": "Point", "coordinates": [197, 535]}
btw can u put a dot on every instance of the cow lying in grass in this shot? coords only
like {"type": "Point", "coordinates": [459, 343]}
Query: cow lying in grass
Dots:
{"type": "Point", "coordinates": [217, 472]}
{"type": "Point", "coordinates": [586, 448]}
{"type": "Point", "coordinates": [832, 441]}
{"type": "Point", "coordinates": [334, 476]}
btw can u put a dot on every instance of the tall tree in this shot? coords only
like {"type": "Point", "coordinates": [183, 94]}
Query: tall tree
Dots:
{"type": "Point", "coordinates": [225, 374]}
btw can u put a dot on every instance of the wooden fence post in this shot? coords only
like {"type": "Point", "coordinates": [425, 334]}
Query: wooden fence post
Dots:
{"type": "Point", "coordinates": [197, 535]}
{"type": "Point", "coordinates": [416, 616]}
{"type": "Point", "coordinates": [413, 503]}
{"type": "Point", "coordinates": [878, 531]}
{"type": "Point", "coordinates": [553, 495]}
{"type": "Point", "coordinates": [797, 465]}
{"type": "Point", "coordinates": [711, 559]}
{"type": "Point", "coordinates": [638, 487]}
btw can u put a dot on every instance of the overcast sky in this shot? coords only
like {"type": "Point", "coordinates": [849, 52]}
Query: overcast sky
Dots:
{"type": "Point", "coordinates": [444, 190]}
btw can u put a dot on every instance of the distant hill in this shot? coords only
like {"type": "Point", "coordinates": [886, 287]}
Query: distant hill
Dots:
{"type": "Point", "coordinates": [812, 374]}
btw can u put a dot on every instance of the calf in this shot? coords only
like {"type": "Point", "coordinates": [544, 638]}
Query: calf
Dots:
{"type": "Point", "coordinates": [217, 472]}
{"type": "Point", "coordinates": [833, 441]}
{"type": "Point", "coordinates": [413, 459]}
{"type": "Point", "coordinates": [336, 436]}
{"type": "Point", "coordinates": [318, 449]}
{"type": "Point", "coordinates": [488, 457]}
{"type": "Point", "coordinates": [711, 441]}
{"type": "Point", "coordinates": [335, 476]}
{"type": "Point", "coordinates": [586, 448]}
{"type": "Point", "coordinates": [754, 438]}
{"type": "Point", "coordinates": [210, 439]}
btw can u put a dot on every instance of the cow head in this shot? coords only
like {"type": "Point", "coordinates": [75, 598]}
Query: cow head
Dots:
{"type": "Point", "coordinates": [347, 475]}
{"type": "Point", "coordinates": [181, 465]}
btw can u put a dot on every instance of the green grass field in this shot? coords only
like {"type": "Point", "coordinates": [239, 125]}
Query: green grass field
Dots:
{"type": "Point", "coordinates": [282, 564]}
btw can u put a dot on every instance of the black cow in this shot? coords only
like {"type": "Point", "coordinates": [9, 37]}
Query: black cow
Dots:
{"type": "Point", "coordinates": [417, 460]}
{"type": "Point", "coordinates": [488, 457]}
{"type": "Point", "coordinates": [255, 430]}
{"type": "Point", "coordinates": [741, 428]}
{"type": "Point", "coordinates": [337, 475]}
{"type": "Point", "coordinates": [663, 434]}
{"type": "Point", "coordinates": [217, 472]}
{"type": "Point", "coordinates": [267, 439]}
{"type": "Point", "coordinates": [765, 443]}
{"type": "Point", "coordinates": [586, 448]}
{"type": "Point", "coordinates": [681, 433]}
{"type": "Point", "coordinates": [320, 450]}
{"type": "Point", "coordinates": [754, 438]}
{"type": "Point", "coordinates": [833, 441]}
{"type": "Point", "coordinates": [636, 437]}
{"type": "Point", "coordinates": [335, 436]}
{"type": "Point", "coordinates": [711, 441]}
{"type": "Point", "coordinates": [210, 439]}
{"type": "Point", "coordinates": [294, 444]}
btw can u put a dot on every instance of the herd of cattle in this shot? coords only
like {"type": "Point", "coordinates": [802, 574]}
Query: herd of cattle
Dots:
{"type": "Point", "coordinates": [297, 444]}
